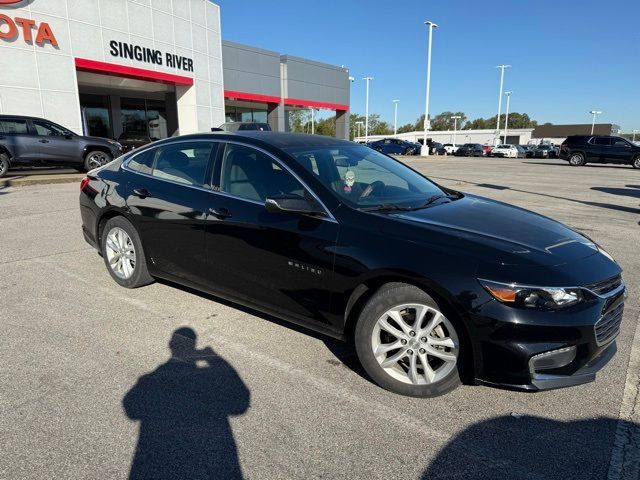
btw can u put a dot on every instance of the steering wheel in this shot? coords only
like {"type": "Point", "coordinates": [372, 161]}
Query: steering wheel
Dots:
{"type": "Point", "coordinates": [375, 187]}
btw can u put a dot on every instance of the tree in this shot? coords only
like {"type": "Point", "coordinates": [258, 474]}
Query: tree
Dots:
{"type": "Point", "coordinates": [516, 120]}
{"type": "Point", "coordinates": [443, 121]}
{"type": "Point", "coordinates": [407, 127]}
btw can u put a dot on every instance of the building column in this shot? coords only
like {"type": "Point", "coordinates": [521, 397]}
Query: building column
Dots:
{"type": "Point", "coordinates": [275, 116]}
{"type": "Point", "coordinates": [342, 124]}
{"type": "Point", "coordinates": [171, 106]}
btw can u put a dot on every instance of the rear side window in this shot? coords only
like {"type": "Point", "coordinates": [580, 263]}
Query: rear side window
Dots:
{"type": "Point", "coordinates": [602, 141]}
{"type": "Point", "coordinates": [13, 127]}
{"type": "Point", "coordinates": [185, 163]}
{"type": "Point", "coordinates": [141, 162]}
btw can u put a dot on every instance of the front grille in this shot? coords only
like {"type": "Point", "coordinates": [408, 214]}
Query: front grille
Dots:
{"type": "Point", "coordinates": [608, 327]}
{"type": "Point", "coordinates": [605, 286]}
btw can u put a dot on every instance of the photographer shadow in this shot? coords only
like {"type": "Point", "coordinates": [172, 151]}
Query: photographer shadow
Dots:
{"type": "Point", "coordinates": [183, 407]}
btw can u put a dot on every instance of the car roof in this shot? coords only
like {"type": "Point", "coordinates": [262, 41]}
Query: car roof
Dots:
{"type": "Point", "coordinates": [275, 139]}
{"type": "Point", "coordinates": [23, 117]}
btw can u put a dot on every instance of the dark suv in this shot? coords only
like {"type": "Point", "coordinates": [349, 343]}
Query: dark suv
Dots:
{"type": "Point", "coordinates": [582, 149]}
{"type": "Point", "coordinates": [35, 142]}
{"type": "Point", "coordinates": [469, 150]}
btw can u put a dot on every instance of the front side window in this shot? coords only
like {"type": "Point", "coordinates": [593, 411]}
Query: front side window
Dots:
{"type": "Point", "coordinates": [620, 142]}
{"type": "Point", "coordinates": [46, 129]}
{"type": "Point", "coordinates": [251, 174]}
{"type": "Point", "coordinates": [362, 177]}
{"type": "Point", "coordinates": [13, 127]}
{"type": "Point", "coordinates": [185, 163]}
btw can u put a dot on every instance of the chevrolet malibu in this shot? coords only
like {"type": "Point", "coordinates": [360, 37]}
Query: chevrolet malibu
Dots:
{"type": "Point", "coordinates": [434, 286]}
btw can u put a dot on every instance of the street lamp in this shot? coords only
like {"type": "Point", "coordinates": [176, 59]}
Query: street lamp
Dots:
{"type": "Point", "coordinates": [425, 149]}
{"type": "Point", "coordinates": [455, 119]}
{"type": "Point", "coordinates": [506, 120]}
{"type": "Point", "coordinates": [366, 111]}
{"type": "Point", "coordinates": [593, 122]}
{"type": "Point", "coordinates": [359, 125]}
{"type": "Point", "coordinates": [395, 117]}
{"type": "Point", "coordinates": [634, 135]}
{"type": "Point", "coordinates": [312, 121]}
{"type": "Point", "coordinates": [502, 68]}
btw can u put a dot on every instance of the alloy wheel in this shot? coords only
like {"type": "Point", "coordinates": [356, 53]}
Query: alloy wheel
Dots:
{"type": "Point", "coordinates": [575, 159]}
{"type": "Point", "coordinates": [97, 160]}
{"type": "Point", "coordinates": [415, 344]}
{"type": "Point", "coordinates": [121, 253]}
{"type": "Point", "coordinates": [636, 162]}
{"type": "Point", "coordinates": [2, 168]}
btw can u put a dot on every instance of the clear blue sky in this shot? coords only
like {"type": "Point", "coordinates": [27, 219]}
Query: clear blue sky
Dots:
{"type": "Point", "coordinates": [568, 56]}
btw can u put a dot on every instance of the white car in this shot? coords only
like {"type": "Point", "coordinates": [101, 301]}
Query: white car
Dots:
{"type": "Point", "coordinates": [450, 148]}
{"type": "Point", "coordinates": [505, 150]}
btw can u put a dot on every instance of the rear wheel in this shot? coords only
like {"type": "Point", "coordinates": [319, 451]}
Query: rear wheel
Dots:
{"type": "Point", "coordinates": [4, 164]}
{"type": "Point", "coordinates": [123, 254]}
{"type": "Point", "coordinates": [576, 160]}
{"type": "Point", "coordinates": [635, 163]}
{"type": "Point", "coordinates": [406, 344]}
{"type": "Point", "coordinates": [409, 151]}
{"type": "Point", "coordinates": [95, 159]}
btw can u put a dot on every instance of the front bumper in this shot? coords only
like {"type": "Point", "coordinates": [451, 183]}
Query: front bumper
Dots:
{"type": "Point", "coordinates": [533, 350]}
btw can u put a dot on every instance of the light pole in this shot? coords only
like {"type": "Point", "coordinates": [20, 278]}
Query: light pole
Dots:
{"type": "Point", "coordinates": [312, 122]}
{"type": "Point", "coordinates": [506, 120]}
{"type": "Point", "coordinates": [395, 117]}
{"type": "Point", "coordinates": [359, 125]}
{"type": "Point", "coordinates": [425, 149]}
{"type": "Point", "coordinates": [502, 68]}
{"type": "Point", "coordinates": [634, 135]}
{"type": "Point", "coordinates": [593, 122]}
{"type": "Point", "coordinates": [455, 127]}
{"type": "Point", "coordinates": [366, 111]}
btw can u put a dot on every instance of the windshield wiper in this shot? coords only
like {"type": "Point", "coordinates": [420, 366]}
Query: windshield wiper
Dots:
{"type": "Point", "coordinates": [429, 201]}
{"type": "Point", "coordinates": [385, 207]}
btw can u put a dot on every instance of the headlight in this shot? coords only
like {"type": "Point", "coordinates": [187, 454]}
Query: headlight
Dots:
{"type": "Point", "coordinates": [543, 298]}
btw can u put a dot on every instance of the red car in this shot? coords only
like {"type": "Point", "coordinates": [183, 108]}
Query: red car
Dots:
{"type": "Point", "coordinates": [486, 150]}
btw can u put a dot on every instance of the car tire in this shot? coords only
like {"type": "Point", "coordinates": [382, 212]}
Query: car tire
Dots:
{"type": "Point", "coordinates": [635, 163]}
{"type": "Point", "coordinates": [576, 160]}
{"type": "Point", "coordinates": [4, 164]}
{"type": "Point", "coordinates": [95, 159]}
{"type": "Point", "coordinates": [409, 151]}
{"type": "Point", "coordinates": [402, 369]}
{"type": "Point", "coordinates": [120, 239]}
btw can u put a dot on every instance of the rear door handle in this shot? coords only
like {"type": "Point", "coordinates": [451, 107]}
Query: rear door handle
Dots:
{"type": "Point", "coordinates": [141, 192]}
{"type": "Point", "coordinates": [220, 213]}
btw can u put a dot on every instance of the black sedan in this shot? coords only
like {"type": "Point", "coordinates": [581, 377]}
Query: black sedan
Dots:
{"type": "Point", "coordinates": [469, 150]}
{"type": "Point", "coordinates": [545, 151]}
{"type": "Point", "coordinates": [435, 286]}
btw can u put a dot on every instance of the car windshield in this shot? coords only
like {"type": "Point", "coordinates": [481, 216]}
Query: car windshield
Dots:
{"type": "Point", "coordinates": [364, 178]}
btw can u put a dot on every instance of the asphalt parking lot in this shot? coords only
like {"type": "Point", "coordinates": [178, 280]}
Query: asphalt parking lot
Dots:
{"type": "Point", "coordinates": [85, 390]}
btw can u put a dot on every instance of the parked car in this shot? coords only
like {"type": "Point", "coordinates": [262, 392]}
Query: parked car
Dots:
{"type": "Point", "coordinates": [486, 150]}
{"type": "Point", "coordinates": [582, 149]}
{"type": "Point", "coordinates": [435, 285]}
{"type": "Point", "coordinates": [545, 151]}
{"type": "Point", "coordinates": [528, 150]}
{"type": "Point", "coordinates": [505, 150]}
{"type": "Point", "coordinates": [450, 148]}
{"type": "Point", "coordinates": [132, 140]}
{"type": "Point", "coordinates": [242, 126]}
{"type": "Point", "coordinates": [36, 142]}
{"type": "Point", "coordinates": [521, 151]}
{"type": "Point", "coordinates": [395, 146]}
{"type": "Point", "coordinates": [437, 149]}
{"type": "Point", "coordinates": [470, 150]}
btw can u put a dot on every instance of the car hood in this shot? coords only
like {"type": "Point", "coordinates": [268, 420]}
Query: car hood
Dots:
{"type": "Point", "coordinates": [100, 140]}
{"type": "Point", "coordinates": [496, 232]}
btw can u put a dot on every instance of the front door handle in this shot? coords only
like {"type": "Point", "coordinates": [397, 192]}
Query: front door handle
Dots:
{"type": "Point", "coordinates": [44, 141]}
{"type": "Point", "coordinates": [220, 213]}
{"type": "Point", "coordinates": [141, 192]}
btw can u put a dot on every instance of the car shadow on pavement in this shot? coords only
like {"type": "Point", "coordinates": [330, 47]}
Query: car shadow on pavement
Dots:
{"type": "Point", "coordinates": [627, 192]}
{"type": "Point", "coordinates": [344, 352]}
{"type": "Point", "coordinates": [183, 408]}
{"type": "Point", "coordinates": [527, 447]}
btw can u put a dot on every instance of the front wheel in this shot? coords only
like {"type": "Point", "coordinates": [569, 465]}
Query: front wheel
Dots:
{"type": "Point", "coordinates": [95, 159]}
{"type": "Point", "coordinates": [635, 163]}
{"type": "Point", "coordinates": [123, 254]}
{"type": "Point", "coordinates": [409, 151]}
{"type": "Point", "coordinates": [406, 344]}
{"type": "Point", "coordinates": [4, 164]}
{"type": "Point", "coordinates": [576, 160]}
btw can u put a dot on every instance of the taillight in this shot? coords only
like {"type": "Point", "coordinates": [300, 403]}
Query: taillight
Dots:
{"type": "Point", "coordinates": [84, 182]}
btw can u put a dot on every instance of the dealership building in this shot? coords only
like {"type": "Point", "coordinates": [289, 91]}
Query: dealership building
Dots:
{"type": "Point", "coordinates": [155, 68]}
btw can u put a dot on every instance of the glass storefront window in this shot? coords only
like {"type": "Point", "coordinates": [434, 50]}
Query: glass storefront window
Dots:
{"type": "Point", "coordinates": [95, 115]}
{"type": "Point", "coordinates": [243, 114]}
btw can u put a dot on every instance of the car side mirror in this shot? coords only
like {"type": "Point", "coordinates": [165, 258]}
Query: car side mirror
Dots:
{"type": "Point", "coordinates": [68, 136]}
{"type": "Point", "coordinates": [292, 204]}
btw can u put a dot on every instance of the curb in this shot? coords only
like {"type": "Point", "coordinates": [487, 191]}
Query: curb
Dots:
{"type": "Point", "coordinates": [24, 181]}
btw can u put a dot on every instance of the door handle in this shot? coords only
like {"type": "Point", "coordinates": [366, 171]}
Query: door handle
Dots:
{"type": "Point", "coordinates": [220, 213]}
{"type": "Point", "coordinates": [141, 192]}
{"type": "Point", "coordinates": [43, 141]}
